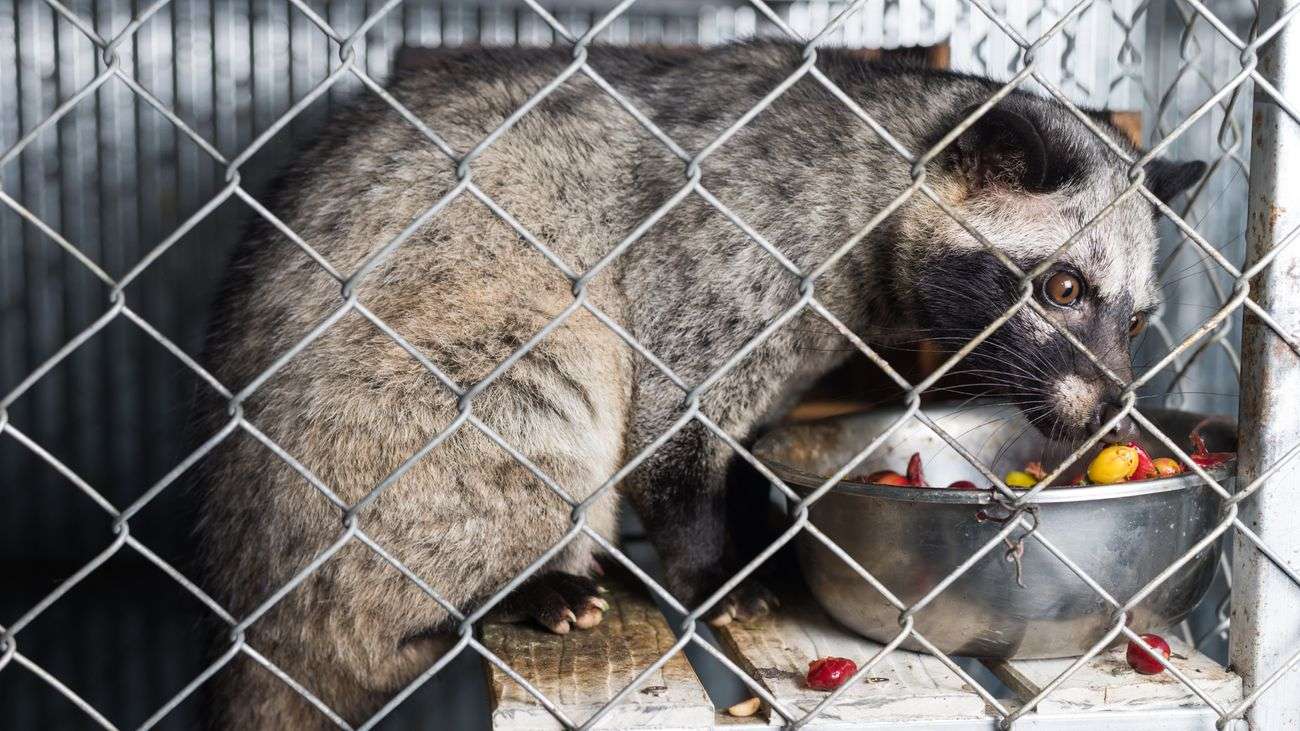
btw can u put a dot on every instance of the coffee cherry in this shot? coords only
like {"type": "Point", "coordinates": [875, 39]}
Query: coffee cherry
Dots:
{"type": "Point", "coordinates": [914, 473]}
{"type": "Point", "coordinates": [1021, 479]}
{"type": "Point", "coordinates": [829, 673]}
{"type": "Point", "coordinates": [887, 477]}
{"type": "Point", "coordinates": [1204, 458]}
{"type": "Point", "coordinates": [1145, 469]}
{"type": "Point", "coordinates": [1113, 464]}
{"type": "Point", "coordinates": [1166, 466]}
{"type": "Point", "coordinates": [1140, 660]}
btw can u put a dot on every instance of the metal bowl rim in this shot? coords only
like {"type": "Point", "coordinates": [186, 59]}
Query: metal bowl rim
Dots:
{"type": "Point", "coordinates": [1064, 494]}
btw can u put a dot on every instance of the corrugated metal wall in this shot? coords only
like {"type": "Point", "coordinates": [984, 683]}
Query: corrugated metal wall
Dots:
{"type": "Point", "coordinates": [114, 178]}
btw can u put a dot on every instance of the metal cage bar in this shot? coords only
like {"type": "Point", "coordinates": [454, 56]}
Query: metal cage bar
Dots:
{"type": "Point", "coordinates": [1265, 612]}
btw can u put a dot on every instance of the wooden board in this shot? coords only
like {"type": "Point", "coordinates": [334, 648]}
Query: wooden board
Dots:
{"type": "Point", "coordinates": [582, 670]}
{"type": "Point", "coordinates": [1108, 684]}
{"type": "Point", "coordinates": [815, 410]}
{"type": "Point", "coordinates": [904, 686]}
{"type": "Point", "coordinates": [1130, 123]}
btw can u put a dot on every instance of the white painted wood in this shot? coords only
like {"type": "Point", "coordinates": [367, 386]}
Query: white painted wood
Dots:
{"type": "Point", "coordinates": [1165, 720]}
{"type": "Point", "coordinates": [904, 686]}
{"type": "Point", "coordinates": [1109, 684]}
{"type": "Point", "coordinates": [963, 724]}
{"type": "Point", "coordinates": [1161, 720]}
{"type": "Point", "coordinates": [582, 670]}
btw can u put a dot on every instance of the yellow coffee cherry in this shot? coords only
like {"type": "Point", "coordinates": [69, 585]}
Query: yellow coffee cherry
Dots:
{"type": "Point", "coordinates": [1017, 478]}
{"type": "Point", "coordinates": [1113, 464]}
{"type": "Point", "coordinates": [1166, 466]}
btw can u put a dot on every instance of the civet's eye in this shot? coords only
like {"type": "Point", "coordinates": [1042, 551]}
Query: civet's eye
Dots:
{"type": "Point", "coordinates": [1136, 324]}
{"type": "Point", "coordinates": [1063, 289]}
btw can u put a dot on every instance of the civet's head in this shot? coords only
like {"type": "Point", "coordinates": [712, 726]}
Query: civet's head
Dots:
{"type": "Point", "coordinates": [1028, 176]}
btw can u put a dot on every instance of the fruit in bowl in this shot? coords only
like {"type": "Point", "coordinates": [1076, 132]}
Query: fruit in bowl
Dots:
{"type": "Point", "coordinates": [910, 538]}
{"type": "Point", "coordinates": [1114, 464]}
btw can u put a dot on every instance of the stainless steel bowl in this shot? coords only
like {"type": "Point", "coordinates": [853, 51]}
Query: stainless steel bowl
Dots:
{"type": "Point", "coordinates": [910, 538]}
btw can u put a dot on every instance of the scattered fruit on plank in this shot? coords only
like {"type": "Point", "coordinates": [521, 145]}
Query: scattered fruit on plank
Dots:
{"type": "Point", "coordinates": [829, 673]}
{"type": "Point", "coordinates": [1141, 660]}
{"type": "Point", "coordinates": [745, 708]}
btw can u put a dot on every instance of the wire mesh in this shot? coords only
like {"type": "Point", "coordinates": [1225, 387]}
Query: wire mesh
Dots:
{"type": "Point", "coordinates": [354, 66]}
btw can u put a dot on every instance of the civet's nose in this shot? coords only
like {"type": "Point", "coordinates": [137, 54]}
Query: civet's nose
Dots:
{"type": "Point", "coordinates": [1125, 430]}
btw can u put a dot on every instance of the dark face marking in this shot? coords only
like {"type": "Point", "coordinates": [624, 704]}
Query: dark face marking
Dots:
{"type": "Point", "coordinates": [1031, 176]}
{"type": "Point", "coordinates": [1035, 366]}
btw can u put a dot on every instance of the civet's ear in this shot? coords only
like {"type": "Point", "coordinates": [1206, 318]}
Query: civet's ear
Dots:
{"type": "Point", "coordinates": [1004, 147]}
{"type": "Point", "coordinates": [1168, 178]}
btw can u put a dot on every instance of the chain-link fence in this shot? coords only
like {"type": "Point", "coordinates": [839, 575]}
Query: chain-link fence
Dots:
{"type": "Point", "coordinates": [1225, 57]}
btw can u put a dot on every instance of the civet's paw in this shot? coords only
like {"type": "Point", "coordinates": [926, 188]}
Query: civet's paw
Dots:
{"type": "Point", "coordinates": [747, 602]}
{"type": "Point", "coordinates": [557, 601]}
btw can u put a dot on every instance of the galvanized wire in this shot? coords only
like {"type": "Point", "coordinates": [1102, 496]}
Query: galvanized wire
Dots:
{"type": "Point", "coordinates": [1181, 356]}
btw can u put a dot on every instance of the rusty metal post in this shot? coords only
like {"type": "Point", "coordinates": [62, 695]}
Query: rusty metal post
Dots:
{"type": "Point", "coordinates": [1266, 603]}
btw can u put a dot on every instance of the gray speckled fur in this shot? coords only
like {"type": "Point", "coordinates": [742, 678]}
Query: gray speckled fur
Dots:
{"type": "Point", "coordinates": [581, 174]}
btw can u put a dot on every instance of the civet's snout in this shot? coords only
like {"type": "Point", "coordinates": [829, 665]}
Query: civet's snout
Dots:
{"type": "Point", "coordinates": [1123, 431]}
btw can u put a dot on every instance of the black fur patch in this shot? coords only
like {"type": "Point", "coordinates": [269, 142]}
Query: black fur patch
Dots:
{"type": "Point", "coordinates": [960, 293]}
{"type": "Point", "coordinates": [1016, 143]}
{"type": "Point", "coordinates": [1168, 178]}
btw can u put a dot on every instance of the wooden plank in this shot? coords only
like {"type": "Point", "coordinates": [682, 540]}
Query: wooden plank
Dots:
{"type": "Point", "coordinates": [1108, 684]}
{"type": "Point", "coordinates": [939, 56]}
{"type": "Point", "coordinates": [1130, 123]}
{"type": "Point", "coordinates": [582, 670]}
{"type": "Point", "coordinates": [814, 410]}
{"type": "Point", "coordinates": [1168, 719]}
{"type": "Point", "coordinates": [903, 686]}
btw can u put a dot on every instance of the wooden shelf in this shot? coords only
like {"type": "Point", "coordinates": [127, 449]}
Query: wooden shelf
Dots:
{"type": "Point", "coordinates": [904, 686]}
{"type": "Point", "coordinates": [582, 670]}
{"type": "Point", "coordinates": [905, 690]}
{"type": "Point", "coordinates": [1107, 683]}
